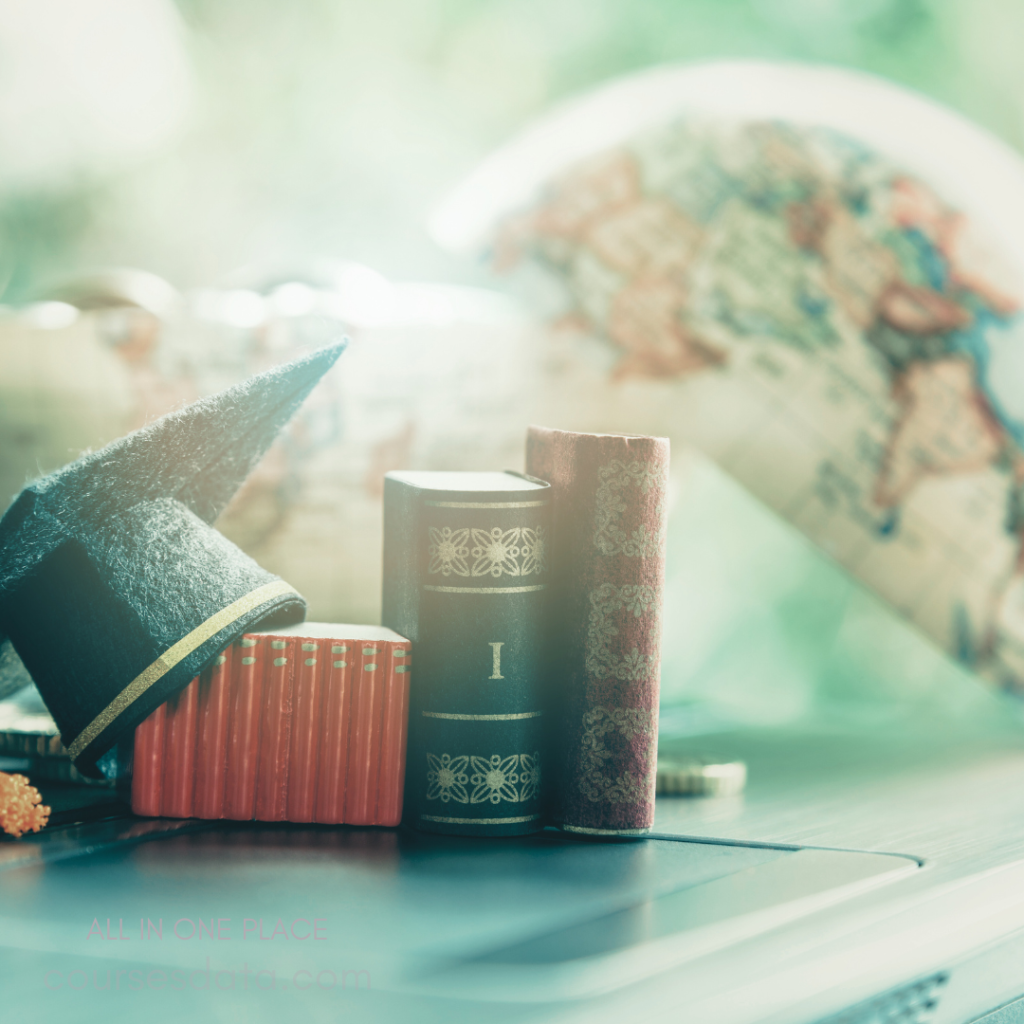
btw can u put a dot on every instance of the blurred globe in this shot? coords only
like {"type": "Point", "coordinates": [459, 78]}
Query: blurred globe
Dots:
{"type": "Point", "coordinates": [814, 277]}
{"type": "Point", "coordinates": [808, 275]}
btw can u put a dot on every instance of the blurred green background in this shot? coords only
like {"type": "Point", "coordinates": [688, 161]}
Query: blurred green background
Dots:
{"type": "Point", "coordinates": [197, 137]}
{"type": "Point", "coordinates": [201, 139]}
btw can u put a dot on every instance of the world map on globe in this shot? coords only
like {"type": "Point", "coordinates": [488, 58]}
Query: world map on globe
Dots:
{"type": "Point", "coordinates": [827, 317]}
{"type": "Point", "coordinates": [837, 336]}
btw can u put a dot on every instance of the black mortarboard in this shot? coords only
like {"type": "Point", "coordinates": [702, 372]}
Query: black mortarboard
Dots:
{"type": "Point", "coordinates": [114, 589]}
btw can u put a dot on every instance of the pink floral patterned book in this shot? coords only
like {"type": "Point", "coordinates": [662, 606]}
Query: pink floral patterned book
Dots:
{"type": "Point", "coordinates": [608, 574]}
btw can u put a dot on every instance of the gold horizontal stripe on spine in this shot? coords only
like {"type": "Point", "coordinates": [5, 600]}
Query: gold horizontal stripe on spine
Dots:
{"type": "Point", "coordinates": [484, 590]}
{"type": "Point", "coordinates": [480, 821]}
{"type": "Point", "coordinates": [606, 831]}
{"type": "Point", "coordinates": [482, 718]}
{"type": "Point", "coordinates": [487, 504]}
{"type": "Point", "coordinates": [172, 656]}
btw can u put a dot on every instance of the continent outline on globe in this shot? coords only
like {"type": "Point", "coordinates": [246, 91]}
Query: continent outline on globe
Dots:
{"type": "Point", "coordinates": [704, 251]}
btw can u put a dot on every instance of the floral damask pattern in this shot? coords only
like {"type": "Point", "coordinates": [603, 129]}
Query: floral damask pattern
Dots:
{"type": "Point", "coordinates": [535, 550]}
{"type": "Point", "coordinates": [447, 778]}
{"type": "Point", "coordinates": [529, 775]}
{"type": "Point", "coordinates": [601, 660]}
{"type": "Point", "coordinates": [596, 782]}
{"type": "Point", "coordinates": [494, 779]}
{"type": "Point", "coordinates": [519, 551]}
{"type": "Point", "coordinates": [449, 551]}
{"type": "Point", "coordinates": [496, 552]}
{"type": "Point", "coordinates": [514, 779]}
{"type": "Point", "coordinates": [613, 480]}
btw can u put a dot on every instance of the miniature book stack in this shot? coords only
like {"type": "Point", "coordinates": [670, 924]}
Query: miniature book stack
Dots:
{"type": "Point", "coordinates": [465, 578]}
{"type": "Point", "coordinates": [608, 572]}
{"type": "Point", "coordinates": [306, 723]}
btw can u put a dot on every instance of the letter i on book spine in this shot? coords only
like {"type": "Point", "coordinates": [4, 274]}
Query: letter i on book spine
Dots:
{"type": "Point", "coordinates": [465, 579]}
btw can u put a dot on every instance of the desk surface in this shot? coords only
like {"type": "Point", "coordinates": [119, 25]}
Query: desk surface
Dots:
{"type": "Point", "coordinates": [556, 921]}
{"type": "Point", "coordinates": [951, 796]}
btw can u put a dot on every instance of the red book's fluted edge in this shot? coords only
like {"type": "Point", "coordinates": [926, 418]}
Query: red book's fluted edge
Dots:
{"type": "Point", "coordinates": [212, 738]}
{"type": "Point", "coordinates": [275, 729]}
{"type": "Point", "coordinates": [180, 752]}
{"type": "Point", "coordinates": [393, 736]}
{"type": "Point", "coordinates": [245, 705]}
{"type": "Point", "coordinates": [306, 720]}
{"type": "Point", "coordinates": [337, 701]}
{"type": "Point", "coordinates": [148, 764]}
{"type": "Point", "coordinates": [283, 727]}
{"type": "Point", "coordinates": [364, 738]}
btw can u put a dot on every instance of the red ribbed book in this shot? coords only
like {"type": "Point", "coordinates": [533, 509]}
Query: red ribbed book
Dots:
{"type": "Point", "coordinates": [306, 723]}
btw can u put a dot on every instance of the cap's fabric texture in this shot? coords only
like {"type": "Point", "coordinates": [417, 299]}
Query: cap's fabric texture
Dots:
{"type": "Point", "coordinates": [114, 588]}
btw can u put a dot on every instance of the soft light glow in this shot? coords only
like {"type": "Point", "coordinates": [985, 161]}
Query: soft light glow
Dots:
{"type": "Point", "coordinates": [292, 299]}
{"type": "Point", "coordinates": [50, 316]}
{"type": "Point", "coordinates": [242, 308]}
{"type": "Point", "coordinates": [85, 86]}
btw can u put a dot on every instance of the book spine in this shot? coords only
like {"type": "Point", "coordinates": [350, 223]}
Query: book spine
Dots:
{"type": "Point", "coordinates": [305, 740]}
{"type": "Point", "coordinates": [180, 752]}
{"type": "Point", "coordinates": [148, 764]}
{"type": "Point", "coordinates": [465, 577]}
{"type": "Point", "coordinates": [212, 737]}
{"type": "Point", "coordinates": [246, 702]}
{"type": "Point", "coordinates": [275, 731]}
{"type": "Point", "coordinates": [392, 753]}
{"type": "Point", "coordinates": [608, 495]}
{"type": "Point", "coordinates": [367, 714]}
{"type": "Point", "coordinates": [334, 742]}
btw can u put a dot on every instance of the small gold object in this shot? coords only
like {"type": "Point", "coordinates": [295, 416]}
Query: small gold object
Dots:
{"type": "Point", "coordinates": [700, 775]}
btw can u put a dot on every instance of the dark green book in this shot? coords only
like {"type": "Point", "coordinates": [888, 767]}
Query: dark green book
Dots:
{"type": "Point", "coordinates": [465, 579]}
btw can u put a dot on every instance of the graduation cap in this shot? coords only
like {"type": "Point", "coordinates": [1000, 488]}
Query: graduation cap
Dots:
{"type": "Point", "coordinates": [115, 590]}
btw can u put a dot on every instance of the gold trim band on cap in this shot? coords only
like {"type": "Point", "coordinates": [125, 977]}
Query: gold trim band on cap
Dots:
{"type": "Point", "coordinates": [173, 655]}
